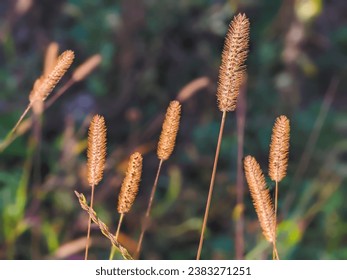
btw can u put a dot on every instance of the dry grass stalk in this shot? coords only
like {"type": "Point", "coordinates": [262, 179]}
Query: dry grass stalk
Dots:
{"type": "Point", "coordinates": [51, 58]}
{"type": "Point", "coordinates": [278, 156]}
{"type": "Point", "coordinates": [210, 191]}
{"type": "Point", "coordinates": [166, 145]}
{"type": "Point", "coordinates": [260, 196]}
{"type": "Point", "coordinates": [145, 222]}
{"type": "Point", "coordinates": [96, 160]}
{"type": "Point", "coordinates": [44, 85]}
{"type": "Point", "coordinates": [128, 191]}
{"type": "Point", "coordinates": [232, 69]}
{"type": "Point", "coordinates": [96, 150]}
{"type": "Point", "coordinates": [86, 68]}
{"type": "Point", "coordinates": [38, 107]}
{"type": "Point", "coordinates": [130, 184]}
{"type": "Point", "coordinates": [231, 77]}
{"type": "Point", "coordinates": [169, 131]}
{"type": "Point", "coordinates": [80, 73]}
{"type": "Point", "coordinates": [191, 88]}
{"type": "Point", "coordinates": [279, 149]}
{"type": "Point", "coordinates": [103, 227]}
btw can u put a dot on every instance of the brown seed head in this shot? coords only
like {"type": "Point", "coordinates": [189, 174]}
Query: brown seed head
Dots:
{"type": "Point", "coordinates": [86, 68]}
{"type": "Point", "coordinates": [279, 149]}
{"type": "Point", "coordinates": [47, 83]}
{"type": "Point", "coordinates": [232, 69]}
{"type": "Point", "coordinates": [96, 150]}
{"type": "Point", "coordinates": [169, 130]}
{"type": "Point", "coordinates": [260, 196]}
{"type": "Point", "coordinates": [130, 184]}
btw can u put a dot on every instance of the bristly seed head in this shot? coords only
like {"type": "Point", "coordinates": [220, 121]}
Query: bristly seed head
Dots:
{"type": "Point", "coordinates": [232, 69]}
{"type": "Point", "coordinates": [279, 149]}
{"type": "Point", "coordinates": [261, 197]}
{"type": "Point", "coordinates": [45, 84]}
{"type": "Point", "coordinates": [130, 184]}
{"type": "Point", "coordinates": [169, 130]}
{"type": "Point", "coordinates": [96, 150]}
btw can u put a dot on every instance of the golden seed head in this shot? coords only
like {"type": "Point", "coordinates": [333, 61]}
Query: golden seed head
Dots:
{"type": "Point", "coordinates": [169, 130]}
{"type": "Point", "coordinates": [86, 68]}
{"type": "Point", "coordinates": [260, 196]}
{"type": "Point", "coordinates": [96, 150]}
{"type": "Point", "coordinates": [47, 83]}
{"type": "Point", "coordinates": [130, 186]}
{"type": "Point", "coordinates": [232, 69]}
{"type": "Point", "coordinates": [279, 149]}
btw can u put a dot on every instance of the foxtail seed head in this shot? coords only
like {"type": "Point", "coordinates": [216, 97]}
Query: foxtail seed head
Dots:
{"type": "Point", "coordinates": [130, 184]}
{"type": "Point", "coordinates": [279, 149]}
{"type": "Point", "coordinates": [45, 84]}
{"type": "Point", "coordinates": [232, 69]}
{"type": "Point", "coordinates": [169, 130]}
{"type": "Point", "coordinates": [261, 197]}
{"type": "Point", "coordinates": [96, 150]}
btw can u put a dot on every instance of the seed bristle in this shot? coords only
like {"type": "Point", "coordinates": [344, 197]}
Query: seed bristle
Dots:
{"type": "Point", "coordinates": [232, 69]}
{"type": "Point", "coordinates": [261, 197]}
{"type": "Point", "coordinates": [130, 186]}
{"type": "Point", "coordinates": [279, 149]}
{"type": "Point", "coordinates": [46, 84]}
{"type": "Point", "coordinates": [96, 150]}
{"type": "Point", "coordinates": [169, 131]}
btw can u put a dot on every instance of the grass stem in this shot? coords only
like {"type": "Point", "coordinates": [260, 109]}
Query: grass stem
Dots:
{"type": "Point", "coordinates": [148, 212]}
{"type": "Point", "coordinates": [89, 224]}
{"type": "Point", "coordinates": [59, 93]}
{"type": "Point", "coordinates": [208, 203]}
{"type": "Point", "coordinates": [113, 250]}
{"type": "Point", "coordinates": [275, 253]}
{"type": "Point", "coordinates": [20, 120]}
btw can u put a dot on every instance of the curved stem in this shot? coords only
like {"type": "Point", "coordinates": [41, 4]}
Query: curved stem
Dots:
{"type": "Point", "coordinates": [208, 203]}
{"type": "Point", "coordinates": [144, 224]}
{"type": "Point", "coordinates": [113, 250]}
{"type": "Point", "coordinates": [89, 224]}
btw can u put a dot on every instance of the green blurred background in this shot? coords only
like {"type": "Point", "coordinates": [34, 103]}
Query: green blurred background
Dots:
{"type": "Point", "coordinates": [151, 49]}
